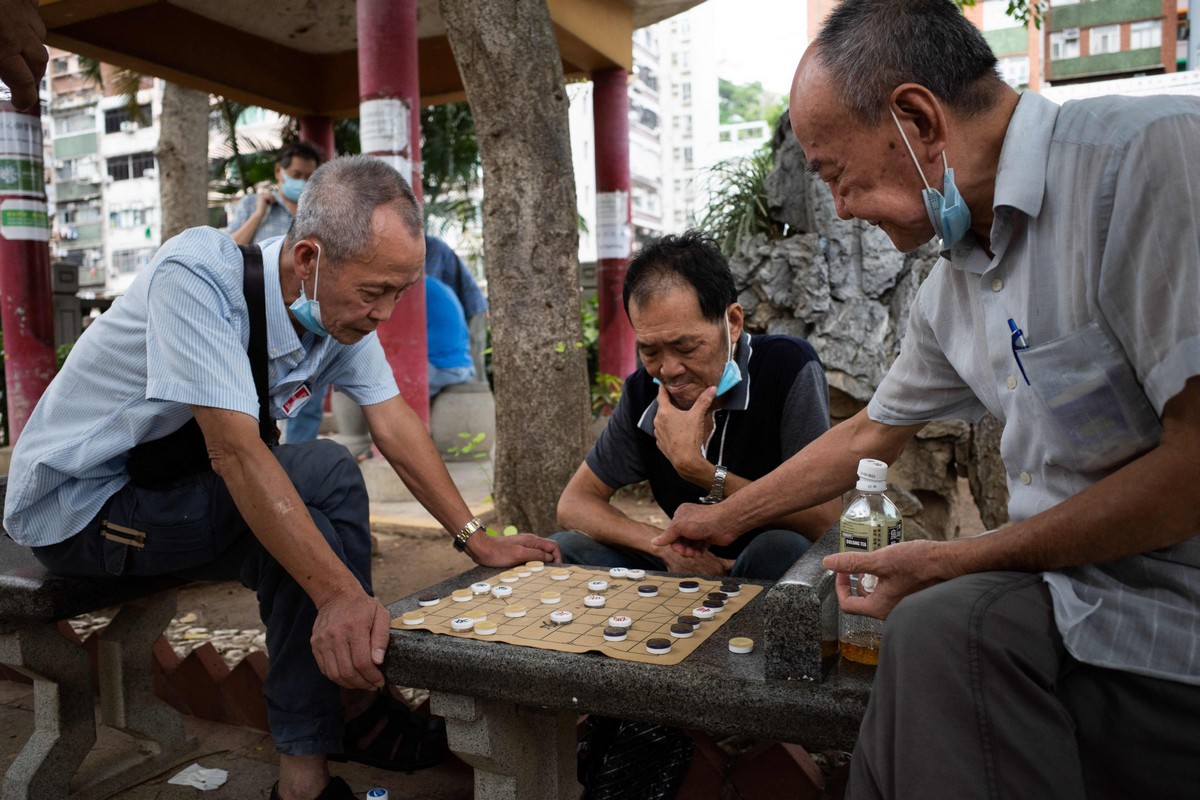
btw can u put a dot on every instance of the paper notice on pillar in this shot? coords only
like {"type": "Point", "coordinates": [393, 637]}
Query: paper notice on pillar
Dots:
{"type": "Point", "coordinates": [614, 237]}
{"type": "Point", "coordinates": [383, 126]}
{"type": "Point", "coordinates": [401, 165]}
{"type": "Point", "coordinates": [24, 220]}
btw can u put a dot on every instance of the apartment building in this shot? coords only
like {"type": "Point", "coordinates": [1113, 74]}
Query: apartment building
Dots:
{"type": "Point", "coordinates": [1090, 40]}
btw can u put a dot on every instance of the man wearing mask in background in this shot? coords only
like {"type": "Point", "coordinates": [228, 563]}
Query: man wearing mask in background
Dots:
{"type": "Point", "coordinates": [263, 215]}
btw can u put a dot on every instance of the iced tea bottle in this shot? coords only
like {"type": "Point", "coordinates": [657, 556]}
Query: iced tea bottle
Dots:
{"type": "Point", "coordinates": [870, 521]}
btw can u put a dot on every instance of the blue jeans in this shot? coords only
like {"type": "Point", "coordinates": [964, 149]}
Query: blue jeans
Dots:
{"type": "Point", "coordinates": [767, 557]}
{"type": "Point", "coordinates": [193, 530]}
{"type": "Point", "coordinates": [305, 426]}
{"type": "Point", "coordinates": [441, 377]}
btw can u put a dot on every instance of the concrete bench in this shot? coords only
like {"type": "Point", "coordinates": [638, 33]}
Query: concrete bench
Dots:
{"type": "Point", "coordinates": [32, 602]}
{"type": "Point", "coordinates": [511, 711]}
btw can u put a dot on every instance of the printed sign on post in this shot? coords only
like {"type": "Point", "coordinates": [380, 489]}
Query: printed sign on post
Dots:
{"type": "Point", "coordinates": [25, 220]}
{"type": "Point", "coordinates": [614, 238]}
{"type": "Point", "coordinates": [383, 126]}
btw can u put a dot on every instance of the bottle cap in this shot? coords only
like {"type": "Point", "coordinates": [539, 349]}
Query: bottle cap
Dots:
{"type": "Point", "coordinates": [377, 794]}
{"type": "Point", "coordinates": [872, 475]}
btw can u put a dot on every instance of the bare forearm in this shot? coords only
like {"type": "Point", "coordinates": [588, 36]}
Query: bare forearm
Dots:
{"type": "Point", "coordinates": [245, 234]}
{"type": "Point", "coordinates": [815, 477]}
{"type": "Point", "coordinates": [269, 504]}
{"type": "Point", "coordinates": [605, 523]}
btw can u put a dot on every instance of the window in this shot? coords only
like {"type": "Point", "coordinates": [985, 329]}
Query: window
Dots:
{"type": "Point", "coordinates": [687, 157]}
{"type": "Point", "coordinates": [118, 119]}
{"type": "Point", "coordinates": [685, 91]}
{"type": "Point", "coordinates": [1014, 71]}
{"type": "Point", "coordinates": [62, 65]}
{"type": "Point", "coordinates": [1143, 35]}
{"type": "Point", "coordinates": [122, 168]}
{"type": "Point", "coordinates": [76, 169]}
{"type": "Point", "coordinates": [131, 260]}
{"type": "Point", "coordinates": [1104, 39]}
{"type": "Point", "coordinates": [1064, 44]}
{"type": "Point", "coordinates": [78, 122]}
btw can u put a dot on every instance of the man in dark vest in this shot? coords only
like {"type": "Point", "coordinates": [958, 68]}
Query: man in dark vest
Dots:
{"type": "Point", "coordinates": [710, 410]}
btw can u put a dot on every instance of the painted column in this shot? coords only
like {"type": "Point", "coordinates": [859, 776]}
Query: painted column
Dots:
{"type": "Point", "coordinates": [319, 130]}
{"type": "Point", "coordinates": [26, 304]}
{"type": "Point", "coordinates": [614, 231]}
{"type": "Point", "coordinates": [390, 128]}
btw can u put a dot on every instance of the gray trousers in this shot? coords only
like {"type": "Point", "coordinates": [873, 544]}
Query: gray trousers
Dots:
{"type": "Point", "coordinates": [976, 697]}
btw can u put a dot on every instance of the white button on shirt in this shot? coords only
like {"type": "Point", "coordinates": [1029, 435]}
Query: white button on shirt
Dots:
{"type": "Point", "coordinates": [1099, 253]}
{"type": "Point", "coordinates": [997, 285]}
{"type": "Point", "coordinates": [176, 339]}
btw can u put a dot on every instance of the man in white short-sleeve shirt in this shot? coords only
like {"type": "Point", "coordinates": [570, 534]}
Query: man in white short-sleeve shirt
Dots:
{"type": "Point", "coordinates": [1057, 656]}
{"type": "Point", "coordinates": [290, 522]}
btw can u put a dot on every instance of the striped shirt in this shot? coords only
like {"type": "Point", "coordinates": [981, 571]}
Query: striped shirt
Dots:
{"type": "Point", "coordinates": [277, 222]}
{"type": "Point", "coordinates": [1097, 260]}
{"type": "Point", "coordinates": [178, 338]}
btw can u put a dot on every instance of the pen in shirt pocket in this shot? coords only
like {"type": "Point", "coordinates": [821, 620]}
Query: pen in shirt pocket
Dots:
{"type": "Point", "coordinates": [1018, 344]}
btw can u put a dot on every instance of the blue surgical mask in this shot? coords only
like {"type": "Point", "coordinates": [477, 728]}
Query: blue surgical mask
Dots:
{"type": "Point", "coordinates": [291, 188]}
{"type": "Point", "coordinates": [308, 312]}
{"type": "Point", "coordinates": [947, 212]}
{"type": "Point", "coordinates": [732, 375]}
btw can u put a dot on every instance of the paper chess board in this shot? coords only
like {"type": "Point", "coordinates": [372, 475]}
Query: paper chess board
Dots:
{"type": "Point", "coordinates": [652, 617]}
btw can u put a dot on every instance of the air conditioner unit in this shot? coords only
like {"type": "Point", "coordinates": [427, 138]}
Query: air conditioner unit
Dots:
{"type": "Point", "coordinates": [150, 172]}
{"type": "Point", "coordinates": [1070, 33]}
{"type": "Point", "coordinates": [129, 126]}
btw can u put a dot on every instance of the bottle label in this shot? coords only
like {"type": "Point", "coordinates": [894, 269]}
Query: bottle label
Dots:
{"type": "Point", "coordinates": [895, 534]}
{"type": "Point", "coordinates": [865, 535]}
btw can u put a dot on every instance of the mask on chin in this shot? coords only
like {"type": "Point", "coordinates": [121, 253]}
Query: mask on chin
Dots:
{"type": "Point", "coordinates": [732, 375]}
{"type": "Point", "coordinates": [948, 212]}
{"type": "Point", "coordinates": [308, 312]}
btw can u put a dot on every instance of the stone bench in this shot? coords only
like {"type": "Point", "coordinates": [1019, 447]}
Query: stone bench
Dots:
{"type": "Point", "coordinates": [511, 711]}
{"type": "Point", "coordinates": [32, 603]}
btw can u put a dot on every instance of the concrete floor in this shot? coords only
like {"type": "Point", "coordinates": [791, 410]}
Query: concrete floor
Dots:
{"type": "Point", "coordinates": [247, 755]}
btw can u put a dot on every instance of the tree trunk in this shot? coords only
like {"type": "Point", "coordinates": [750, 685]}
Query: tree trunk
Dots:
{"type": "Point", "coordinates": [512, 72]}
{"type": "Point", "coordinates": [183, 159]}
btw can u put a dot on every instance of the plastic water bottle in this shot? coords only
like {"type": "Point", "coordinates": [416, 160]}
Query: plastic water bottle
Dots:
{"type": "Point", "coordinates": [870, 521]}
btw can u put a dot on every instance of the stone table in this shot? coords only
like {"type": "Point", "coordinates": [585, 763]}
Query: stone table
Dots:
{"type": "Point", "coordinates": [511, 711]}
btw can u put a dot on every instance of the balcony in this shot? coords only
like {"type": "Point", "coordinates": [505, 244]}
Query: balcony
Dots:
{"type": "Point", "coordinates": [1103, 12]}
{"type": "Point", "coordinates": [1115, 64]}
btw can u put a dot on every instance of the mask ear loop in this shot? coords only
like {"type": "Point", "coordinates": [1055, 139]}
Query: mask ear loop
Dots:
{"type": "Point", "coordinates": [917, 164]}
{"type": "Point", "coordinates": [728, 337]}
{"type": "Point", "coordinates": [316, 273]}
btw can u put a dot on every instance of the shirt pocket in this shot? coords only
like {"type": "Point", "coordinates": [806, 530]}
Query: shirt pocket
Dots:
{"type": "Point", "coordinates": [1097, 416]}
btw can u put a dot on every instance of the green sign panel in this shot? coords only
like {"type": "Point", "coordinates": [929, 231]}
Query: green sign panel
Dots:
{"type": "Point", "coordinates": [20, 175]}
{"type": "Point", "coordinates": [23, 218]}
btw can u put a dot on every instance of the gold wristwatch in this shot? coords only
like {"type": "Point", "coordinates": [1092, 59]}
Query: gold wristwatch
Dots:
{"type": "Point", "coordinates": [464, 533]}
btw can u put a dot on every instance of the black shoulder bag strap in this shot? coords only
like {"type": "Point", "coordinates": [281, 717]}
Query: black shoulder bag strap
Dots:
{"type": "Point", "coordinates": [161, 462]}
{"type": "Point", "coordinates": [256, 306]}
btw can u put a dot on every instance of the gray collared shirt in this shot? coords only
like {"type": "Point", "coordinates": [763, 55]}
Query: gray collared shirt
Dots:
{"type": "Point", "coordinates": [1096, 243]}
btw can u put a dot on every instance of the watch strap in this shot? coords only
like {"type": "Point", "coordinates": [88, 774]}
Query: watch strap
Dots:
{"type": "Point", "coordinates": [465, 533]}
{"type": "Point", "coordinates": [717, 493]}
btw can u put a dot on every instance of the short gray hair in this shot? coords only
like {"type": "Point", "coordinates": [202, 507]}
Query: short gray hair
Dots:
{"type": "Point", "coordinates": [339, 199]}
{"type": "Point", "coordinates": [869, 47]}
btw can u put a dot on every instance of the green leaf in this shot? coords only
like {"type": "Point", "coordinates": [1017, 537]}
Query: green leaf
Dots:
{"type": "Point", "coordinates": [510, 530]}
{"type": "Point", "coordinates": [561, 347]}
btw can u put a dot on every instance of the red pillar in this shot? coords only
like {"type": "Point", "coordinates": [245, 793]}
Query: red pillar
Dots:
{"type": "Point", "coordinates": [390, 127]}
{"type": "Point", "coordinates": [614, 232]}
{"type": "Point", "coordinates": [26, 306]}
{"type": "Point", "coordinates": [319, 130]}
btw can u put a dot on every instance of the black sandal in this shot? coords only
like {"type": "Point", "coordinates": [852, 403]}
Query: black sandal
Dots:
{"type": "Point", "coordinates": [408, 740]}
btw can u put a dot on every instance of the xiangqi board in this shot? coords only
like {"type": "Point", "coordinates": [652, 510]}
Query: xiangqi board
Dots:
{"type": "Point", "coordinates": [594, 607]}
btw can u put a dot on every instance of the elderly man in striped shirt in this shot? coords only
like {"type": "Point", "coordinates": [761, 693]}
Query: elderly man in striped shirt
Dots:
{"type": "Point", "coordinates": [162, 387]}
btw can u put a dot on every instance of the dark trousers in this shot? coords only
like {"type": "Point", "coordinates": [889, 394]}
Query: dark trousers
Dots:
{"type": "Point", "coordinates": [194, 530]}
{"type": "Point", "coordinates": [976, 697]}
{"type": "Point", "coordinates": [770, 555]}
